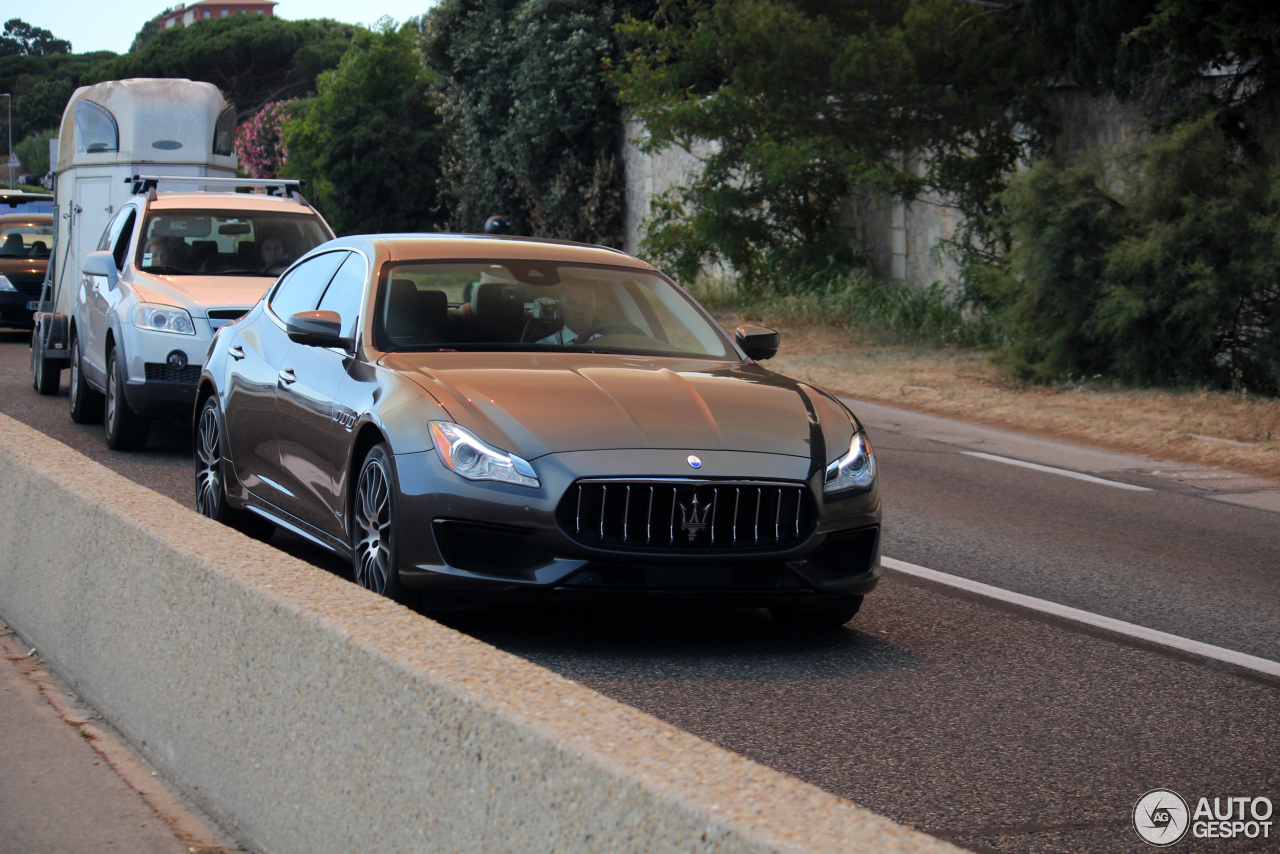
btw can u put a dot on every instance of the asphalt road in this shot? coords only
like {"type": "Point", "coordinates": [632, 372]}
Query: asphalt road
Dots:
{"type": "Point", "coordinates": [991, 726]}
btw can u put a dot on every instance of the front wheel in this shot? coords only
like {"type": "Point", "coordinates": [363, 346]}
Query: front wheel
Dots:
{"type": "Point", "coordinates": [126, 429]}
{"type": "Point", "coordinates": [86, 404]}
{"type": "Point", "coordinates": [211, 492]}
{"type": "Point", "coordinates": [374, 539]}
{"type": "Point", "coordinates": [46, 376]}
{"type": "Point", "coordinates": [823, 615]}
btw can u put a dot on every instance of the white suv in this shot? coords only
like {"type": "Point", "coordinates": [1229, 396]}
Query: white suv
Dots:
{"type": "Point", "coordinates": [169, 270]}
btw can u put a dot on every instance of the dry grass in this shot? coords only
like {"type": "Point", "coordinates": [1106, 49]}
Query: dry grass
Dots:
{"type": "Point", "coordinates": [1236, 432]}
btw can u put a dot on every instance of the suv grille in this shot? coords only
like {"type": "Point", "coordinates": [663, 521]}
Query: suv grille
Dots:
{"type": "Point", "coordinates": [162, 372]}
{"type": "Point", "coordinates": [665, 515]}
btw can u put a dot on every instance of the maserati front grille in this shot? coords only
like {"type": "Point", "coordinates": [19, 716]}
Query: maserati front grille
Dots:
{"type": "Point", "coordinates": [667, 515]}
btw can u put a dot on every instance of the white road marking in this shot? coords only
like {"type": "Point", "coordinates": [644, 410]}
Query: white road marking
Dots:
{"type": "Point", "coordinates": [1120, 627]}
{"type": "Point", "coordinates": [1051, 470]}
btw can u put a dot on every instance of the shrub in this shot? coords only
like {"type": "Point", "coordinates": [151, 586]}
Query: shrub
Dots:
{"type": "Point", "coordinates": [259, 147]}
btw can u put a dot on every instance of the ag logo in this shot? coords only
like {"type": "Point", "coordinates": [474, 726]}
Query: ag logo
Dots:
{"type": "Point", "coordinates": [1161, 817]}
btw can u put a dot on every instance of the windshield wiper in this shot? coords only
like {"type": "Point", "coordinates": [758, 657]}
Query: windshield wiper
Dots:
{"type": "Point", "coordinates": [239, 273]}
{"type": "Point", "coordinates": [165, 270]}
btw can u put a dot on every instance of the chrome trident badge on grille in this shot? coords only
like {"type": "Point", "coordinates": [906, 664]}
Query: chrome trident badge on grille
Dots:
{"type": "Point", "coordinates": [691, 521]}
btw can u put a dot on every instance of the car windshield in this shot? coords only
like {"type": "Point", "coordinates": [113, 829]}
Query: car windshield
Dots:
{"type": "Point", "coordinates": [226, 243]}
{"type": "Point", "coordinates": [540, 305]}
{"type": "Point", "coordinates": [26, 240]}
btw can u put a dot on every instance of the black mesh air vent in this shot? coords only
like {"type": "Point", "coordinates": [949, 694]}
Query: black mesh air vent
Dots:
{"type": "Point", "coordinates": [686, 515]}
{"type": "Point", "coordinates": [163, 372]}
{"type": "Point", "coordinates": [491, 550]}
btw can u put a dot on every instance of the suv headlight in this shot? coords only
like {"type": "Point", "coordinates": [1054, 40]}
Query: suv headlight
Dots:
{"type": "Point", "coordinates": [855, 470]}
{"type": "Point", "coordinates": [465, 454]}
{"type": "Point", "coordinates": [6, 285]}
{"type": "Point", "coordinates": [163, 318]}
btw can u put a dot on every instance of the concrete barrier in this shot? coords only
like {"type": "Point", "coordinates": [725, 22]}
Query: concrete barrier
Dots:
{"type": "Point", "coordinates": [312, 716]}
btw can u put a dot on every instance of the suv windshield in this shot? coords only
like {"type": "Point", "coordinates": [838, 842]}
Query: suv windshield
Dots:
{"type": "Point", "coordinates": [540, 305]}
{"type": "Point", "coordinates": [226, 243]}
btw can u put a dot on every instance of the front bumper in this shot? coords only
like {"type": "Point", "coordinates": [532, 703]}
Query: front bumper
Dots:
{"type": "Point", "coordinates": [457, 536]}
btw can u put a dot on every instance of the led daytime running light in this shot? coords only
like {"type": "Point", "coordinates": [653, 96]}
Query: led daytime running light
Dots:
{"type": "Point", "coordinates": [855, 470]}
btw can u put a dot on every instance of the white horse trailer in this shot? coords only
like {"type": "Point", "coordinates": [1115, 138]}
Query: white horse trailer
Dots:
{"type": "Point", "coordinates": [110, 132]}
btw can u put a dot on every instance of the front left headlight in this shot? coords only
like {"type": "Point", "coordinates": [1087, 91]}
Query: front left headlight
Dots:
{"type": "Point", "coordinates": [6, 285]}
{"type": "Point", "coordinates": [467, 455]}
{"type": "Point", "coordinates": [163, 318]}
{"type": "Point", "coordinates": [855, 470]}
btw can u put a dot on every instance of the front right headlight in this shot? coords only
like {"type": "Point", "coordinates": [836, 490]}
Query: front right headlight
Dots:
{"type": "Point", "coordinates": [855, 470]}
{"type": "Point", "coordinates": [467, 455]}
{"type": "Point", "coordinates": [163, 318]}
{"type": "Point", "coordinates": [6, 285]}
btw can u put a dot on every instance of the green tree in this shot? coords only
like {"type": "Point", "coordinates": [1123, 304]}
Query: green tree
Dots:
{"type": "Point", "coordinates": [532, 125]}
{"type": "Point", "coordinates": [1171, 275]}
{"type": "Point", "coordinates": [149, 30]}
{"type": "Point", "coordinates": [34, 151]}
{"type": "Point", "coordinates": [22, 39]}
{"type": "Point", "coordinates": [369, 143]}
{"type": "Point", "coordinates": [253, 59]}
{"type": "Point", "coordinates": [799, 102]}
{"type": "Point", "coordinates": [41, 86]}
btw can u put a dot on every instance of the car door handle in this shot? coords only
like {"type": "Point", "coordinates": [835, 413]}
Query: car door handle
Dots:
{"type": "Point", "coordinates": [288, 377]}
{"type": "Point", "coordinates": [236, 352]}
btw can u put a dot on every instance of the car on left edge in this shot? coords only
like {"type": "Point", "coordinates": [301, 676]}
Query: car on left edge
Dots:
{"type": "Point", "coordinates": [26, 238]}
{"type": "Point", "coordinates": [170, 269]}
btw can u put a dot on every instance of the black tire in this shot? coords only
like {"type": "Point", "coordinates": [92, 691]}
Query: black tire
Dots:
{"type": "Point", "coordinates": [211, 490]}
{"type": "Point", "coordinates": [374, 527]}
{"type": "Point", "coordinates": [820, 616]}
{"type": "Point", "coordinates": [46, 376]}
{"type": "Point", "coordinates": [86, 404]}
{"type": "Point", "coordinates": [126, 429]}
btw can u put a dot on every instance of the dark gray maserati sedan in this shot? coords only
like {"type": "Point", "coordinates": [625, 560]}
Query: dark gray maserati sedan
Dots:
{"type": "Point", "coordinates": [469, 416]}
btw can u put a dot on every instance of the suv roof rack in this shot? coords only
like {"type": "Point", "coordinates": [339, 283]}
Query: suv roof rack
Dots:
{"type": "Point", "coordinates": [274, 186]}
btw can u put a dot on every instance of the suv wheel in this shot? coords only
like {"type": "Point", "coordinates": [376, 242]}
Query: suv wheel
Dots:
{"type": "Point", "coordinates": [126, 429]}
{"type": "Point", "coordinates": [86, 404]}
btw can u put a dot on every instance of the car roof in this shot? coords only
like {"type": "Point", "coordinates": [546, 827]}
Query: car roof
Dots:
{"type": "Point", "coordinates": [411, 247]}
{"type": "Point", "coordinates": [227, 201]}
{"type": "Point", "coordinates": [33, 218]}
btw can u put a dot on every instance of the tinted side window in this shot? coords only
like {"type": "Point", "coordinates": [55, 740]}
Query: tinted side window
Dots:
{"type": "Point", "coordinates": [346, 293]}
{"type": "Point", "coordinates": [121, 248]}
{"type": "Point", "coordinates": [113, 228]}
{"type": "Point", "coordinates": [301, 289]}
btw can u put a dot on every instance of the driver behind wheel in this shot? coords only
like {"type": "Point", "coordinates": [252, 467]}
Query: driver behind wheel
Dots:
{"type": "Point", "coordinates": [273, 252]}
{"type": "Point", "coordinates": [578, 297]}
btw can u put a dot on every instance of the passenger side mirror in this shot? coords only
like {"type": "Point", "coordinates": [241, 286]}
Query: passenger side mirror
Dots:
{"type": "Point", "coordinates": [758, 342]}
{"type": "Point", "coordinates": [101, 264]}
{"type": "Point", "coordinates": [317, 329]}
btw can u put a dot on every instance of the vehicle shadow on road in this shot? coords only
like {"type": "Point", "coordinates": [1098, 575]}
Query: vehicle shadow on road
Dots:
{"type": "Point", "coordinates": [675, 645]}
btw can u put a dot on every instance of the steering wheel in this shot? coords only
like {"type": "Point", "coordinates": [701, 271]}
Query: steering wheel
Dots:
{"type": "Point", "coordinates": [277, 268]}
{"type": "Point", "coordinates": [606, 328]}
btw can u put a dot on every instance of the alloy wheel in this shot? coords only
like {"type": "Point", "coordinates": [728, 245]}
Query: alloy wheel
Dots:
{"type": "Point", "coordinates": [373, 526]}
{"type": "Point", "coordinates": [209, 465]}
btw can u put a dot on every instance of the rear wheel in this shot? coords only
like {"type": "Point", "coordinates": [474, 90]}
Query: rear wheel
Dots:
{"type": "Point", "coordinates": [823, 615]}
{"type": "Point", "coordinates": [46, 376]}
{"type": "Point", "coordinates": [126, 429]}
{"type": "Point", "coordinates": [374, 539]}
{"type": "Point", "coordinates": [211, 492]}
{"type": "Point", "coordinates": [86, 404]}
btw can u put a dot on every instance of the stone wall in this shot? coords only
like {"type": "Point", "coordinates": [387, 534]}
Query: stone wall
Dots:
{"type": "Point", "coordinates": [902, 240]}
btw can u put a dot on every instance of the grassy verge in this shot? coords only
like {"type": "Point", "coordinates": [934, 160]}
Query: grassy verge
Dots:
{"type": "Point", "coordinates": [864, 354]}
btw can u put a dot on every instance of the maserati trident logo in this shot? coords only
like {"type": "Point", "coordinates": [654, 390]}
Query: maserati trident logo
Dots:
{"type": "Point", "coordinates": [692, 522]}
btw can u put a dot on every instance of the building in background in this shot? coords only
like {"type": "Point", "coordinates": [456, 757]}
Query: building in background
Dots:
{"type": "Point", "coordinates": [188, 13]}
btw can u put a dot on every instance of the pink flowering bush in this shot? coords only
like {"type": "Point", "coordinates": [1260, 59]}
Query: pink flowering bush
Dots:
{"type": "Point", "coordinates": [259, 148]}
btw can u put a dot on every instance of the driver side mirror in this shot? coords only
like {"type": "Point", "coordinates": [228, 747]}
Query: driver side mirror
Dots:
{"type": "Point", "coordinates": [101, 263]}
{"type": "Point", "coordinates": [317, 329]}
{"type": "Point", "coordinates": [758, 342]}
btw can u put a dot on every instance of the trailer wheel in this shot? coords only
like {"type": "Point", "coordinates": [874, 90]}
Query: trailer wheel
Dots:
{"type": "Point", "coordinates": [46, 376]}
{"type": "Point", "coordinates": [86, 404]}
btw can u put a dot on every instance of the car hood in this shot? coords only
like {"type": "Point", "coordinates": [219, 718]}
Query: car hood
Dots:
{"type": "Point", "coordinates": [199, 294]}
{"type": "Point", "coordinates": [546, 404]}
